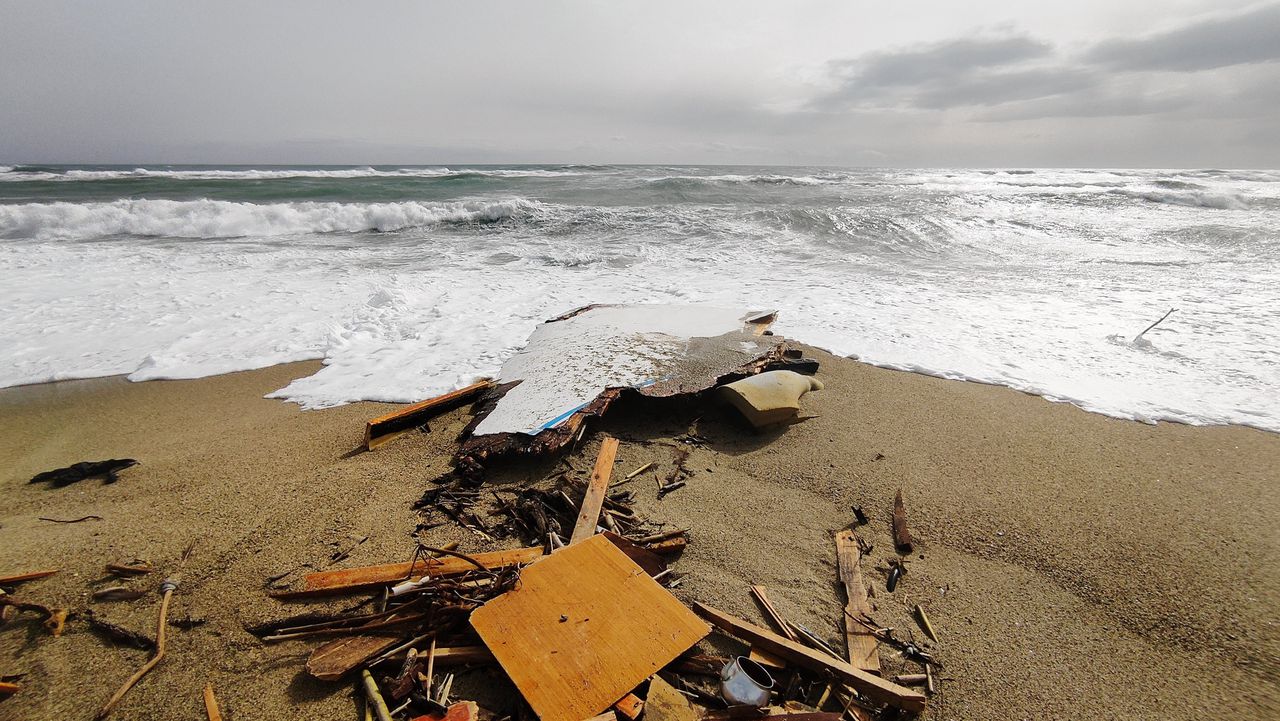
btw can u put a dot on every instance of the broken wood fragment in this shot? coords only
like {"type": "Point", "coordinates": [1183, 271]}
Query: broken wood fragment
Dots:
{"type": "Point", "coordinates": [333, 660]}
{"type": "Point", "coordinates": [761, 595]}
{"type": "Point", "coordinates": [901, 536]}
{"type": "Point", "coordinates": [366, 577]}
{"type": "Point", "coordinates": [593, 501]}
{"type": "Point", "coordinates": [630, 706]}
{"type": "Point", "coordinates": [911, 679]}
{"type": "Point", "coordinates": [9, 689]}
{"type": "Point", "coordinates": [211, 704]}
{"type": "Point", "coordinates": [865, 683]}
{"type": "Point", "coordinates": [651, 562]}
{"type": "Point", "coordinates": [669, 547]}
{"type": "Point", "coordinates": [374, 697]}
{"type": "Point", "coordinates": [130, 569]}
{"type": "Point", "coordinates": [384, 428]}
{"type": "Point", "coordinates": [860, 641]}
{"type": "Point", "coordinates": [22, 577]}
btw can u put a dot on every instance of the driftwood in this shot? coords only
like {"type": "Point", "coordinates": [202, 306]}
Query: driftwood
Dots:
{"type": "Point", "coordinates": [392, 425]}
{"type": "Point", "coordinates": [107, 470]}
{"type": "Point", "coordinates": [1138, 337]}
{"type": "Point", "coordinates": [23, 577]}
{"type": "Point", "coordinates": [901, 536]}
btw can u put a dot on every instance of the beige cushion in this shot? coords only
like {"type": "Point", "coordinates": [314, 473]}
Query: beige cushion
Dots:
{"type": "Point", "coordinates": [769, 398]}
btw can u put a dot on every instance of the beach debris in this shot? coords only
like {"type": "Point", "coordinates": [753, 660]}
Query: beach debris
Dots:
{"type": "Point", "coordinates": [911, 679]}
{"type": "Point", "coordinates": [72, 520]}
{"type": "Point", "coordinates": [901, 536]}
{"type": "Point", "coordinates": [865, 683]}
{"type": "Point", "coordinates": [54, 619]}
{"type": "Point", "coordinates": [630, 706]}
{"type": "Point", "coordinates": [8, 688]}
{"type": "Point", "coordinates": [167, 589]}
{"type": "Point", "coordinates": [119, 634]}
{"type": "Point", "coordinates": [548, 390]}
{"type": "Point", "coordinates": [211, 704]}
{"type": "Point", "coordinates": [761, 595]}
{"type": "Point", "coordinates": [107, 470]}
{"type": "Point", "coordinates": [593, 501]}
{"type": "Point", "coordinates": [388, 427]}
{"type": "Point", "coordinates": [745, 682]}
{"type": "Point", "coordinates": [24, 577]}
{"type": "Point", "coordinates": [1138, 337]}
{"type": "Point", "coordinates": [925, 625]}
{"type": "Point", "coordinates": [370, 577]}
{"type": "Point", "coordinates": [631, 476]}
{"type": "Point", "coordinates": [860, 516]}
{"type": "Point", "coordinates": [621, 627]}
{"type": "Point", "coordinates": [336, 658]}
{"type": "Point", "coordinates": [861, 644]}
{"type": "Point", "coordinates": [374, 696]}
{"type": "Point", "coordinates": [769, 398]}
{"type": "Point", "coordinates": [931, 685]}
{"type": "Point", "coordinates": [135, 568]}
{"type": "Point", "coordinates": [896, 571]}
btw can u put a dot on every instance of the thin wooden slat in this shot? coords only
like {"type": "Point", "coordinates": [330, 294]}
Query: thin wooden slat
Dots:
{"type": "Point", "coordinates": [583, 628]}
{"type": "Point", "coordinates": [31, 576]}
{"type": "Point", "coordinates": [762, 595]}
{"type": "Point", "coordinates": [596, 489]}
{"type": "Point", "coordinates": [211, 704]}
{"type": "Point", "coordinates": [354, 579]}
{"type": "Point", "coordinates": [384, 428]}
{"type": "Point", "coordinates": [866, 683]}
{"type": "Point", "coordinates": [901, 536]}
{"type": "Point", "coordinates": [861, 642]}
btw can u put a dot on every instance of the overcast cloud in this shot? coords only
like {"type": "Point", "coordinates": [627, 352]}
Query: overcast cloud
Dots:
{"type": "Point", "coordinates": [1178, 83]}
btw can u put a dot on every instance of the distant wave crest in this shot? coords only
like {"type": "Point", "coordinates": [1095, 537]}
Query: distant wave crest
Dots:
{"type": "Point", "coordinates": [1191, 198]}
{"type": "Point", "coordinates": [30, 173]}
{"type": "Point", "coordinates": [222, 219]}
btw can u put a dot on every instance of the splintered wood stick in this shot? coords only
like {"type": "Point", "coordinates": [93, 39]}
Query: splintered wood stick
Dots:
{"type": "Point", "coordinates": [1153, 325]}
{"type": "Point", "coordinates": [375, 697]}
{"type": "Point", "coordinates": [211, 704]}
{"type": "Point", "coordinates": [19, 578]}
{"type": "Point", "coordinates": [924, 623]}
{"type": "Point", "coordinates": [761, 594]}
{"type": "Point", "coordinates": [901, 536]}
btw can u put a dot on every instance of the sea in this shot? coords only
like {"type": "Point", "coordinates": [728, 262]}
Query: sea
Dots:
{"type": "Point", "coordinates": [411, 281]}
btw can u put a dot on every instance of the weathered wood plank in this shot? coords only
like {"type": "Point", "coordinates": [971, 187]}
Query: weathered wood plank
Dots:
{"type": "Point", "coordinates": [597, 487]}
{"type": "Point", "coordinates": [861, 642]}
{"type": "Point", "coordinates": [866, 683]}
{"type": "Point", "coordinates": [353, 579]}
{"type": "Point", "coordinates": [901, 536]}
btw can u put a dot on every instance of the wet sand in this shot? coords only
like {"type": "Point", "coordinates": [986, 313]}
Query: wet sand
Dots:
{"type": "Point", "coordinates": [1075, 566]}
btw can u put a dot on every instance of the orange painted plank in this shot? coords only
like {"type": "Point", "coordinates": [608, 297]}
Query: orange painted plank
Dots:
{"type": "Point", "coordinates": [596, 489]}
{"type": "Point", "coordinates": [384, 428]}
{"type": "Point", "coordinates": [585, 626]}
{"type": "Point", "coordinates": [352, 579]}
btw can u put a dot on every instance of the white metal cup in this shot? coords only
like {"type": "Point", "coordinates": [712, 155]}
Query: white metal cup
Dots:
{"type": "Point", "coordinates": [743, 681]}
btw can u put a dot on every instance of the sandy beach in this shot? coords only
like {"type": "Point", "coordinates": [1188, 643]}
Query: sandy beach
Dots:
{"type": "Point", "coordinates": [1075, 566]}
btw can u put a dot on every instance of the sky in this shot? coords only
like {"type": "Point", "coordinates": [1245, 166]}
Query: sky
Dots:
{"type": "Point", "coordinates": [921, 83]}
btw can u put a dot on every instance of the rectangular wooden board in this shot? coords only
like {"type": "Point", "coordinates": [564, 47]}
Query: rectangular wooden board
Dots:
{"type": "Point", "coordinates": [585, 626]}
{"type": "Point", "coordinates": [384, 428]}
{"type": "Point", "coordinates": [589, 516]}
{"type": "Point", "coordinates": [861, 642]}
{"type": "Point", "coordinates": [354, 579]}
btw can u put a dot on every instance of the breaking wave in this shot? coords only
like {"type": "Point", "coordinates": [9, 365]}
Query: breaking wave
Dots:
{"type": "Point", "coordinates": [30, 173]}
{"type": "Point", "coordinates": [1191, 199]}
{"type": "Point", "coordinates": [223, 219]}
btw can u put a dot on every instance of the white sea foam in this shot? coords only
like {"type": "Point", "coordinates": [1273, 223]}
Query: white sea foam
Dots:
{"type": "Point", "coordinates": [966, 278]}
{"type": "Point", "coordinates": [81, 175]}
{"type": "Point", "coordinates": [223, 219]}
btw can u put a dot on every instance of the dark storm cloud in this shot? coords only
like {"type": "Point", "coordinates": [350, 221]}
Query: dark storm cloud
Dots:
{"type": "Point", "coordinates": [1030, 79]}
{"type": "Point", "coordinates": [1250, 37]}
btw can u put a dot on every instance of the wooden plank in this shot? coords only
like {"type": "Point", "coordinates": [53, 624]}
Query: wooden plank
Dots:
{"type": "Point", "coordinates": [364, 577]}
{"type": "Point", "coordinates": [669, 546]}
{"type": "Point", "coordinates": [386, 427]}
{"type": "Point", "coordinates": [584, 627]}
{"type": "Point", "coordinates": [333, 660]}
{"type": "Point", "coordinates": [866, 683]}
{"type": "Point", "coordinates": [211, 704]}
{"type": "Point", "coordinates": [762, 595]}
{"type": "Point", "coordinates": [31, 576]}
{"type": "Point", "coordinates": [596, 489]}
{"type": "Point", "coordinates": [862, 644]}
{"type": "Point", "coordinates": [901, 536]}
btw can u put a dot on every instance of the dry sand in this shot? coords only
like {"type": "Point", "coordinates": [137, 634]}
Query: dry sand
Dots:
{"type": "Point", "coordinates": [1075, 566]}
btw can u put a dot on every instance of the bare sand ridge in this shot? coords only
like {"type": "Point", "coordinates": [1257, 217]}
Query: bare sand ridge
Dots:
{"type": "Point", "coordinates": [1075, 566]}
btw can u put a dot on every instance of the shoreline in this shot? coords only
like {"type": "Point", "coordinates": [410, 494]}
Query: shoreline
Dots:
{"type": "Point", "coordinates": [1074, 564]}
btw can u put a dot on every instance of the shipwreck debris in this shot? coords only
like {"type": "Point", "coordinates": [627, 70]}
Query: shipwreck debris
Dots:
{"type": "Point", "coordinates": [862, 645]}
{"type": "Point", "coordinates": [622, 627]}
{"type": "Point", "coordinates": [901, 536]}
{"type": "Point", "coordinates": [769, 398]}
{"type": "Point", "coordinates": [386, 428]}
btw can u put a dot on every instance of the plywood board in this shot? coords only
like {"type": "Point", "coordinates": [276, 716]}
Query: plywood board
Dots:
{"type": "Point", "coordinates": [585, 626]}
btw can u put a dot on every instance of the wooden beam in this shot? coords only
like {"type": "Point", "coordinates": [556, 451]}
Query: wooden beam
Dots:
{"type": "Point", "coordinates": [862, 644]}
{"type": "Point", "coordinates": [868, 684]}
{"type": "Point", "coordinates": [364, 577]}
{"type": "Point", "coordinates": [596, 488]}
{"type": "Point", "coordinates": [394, 424]}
